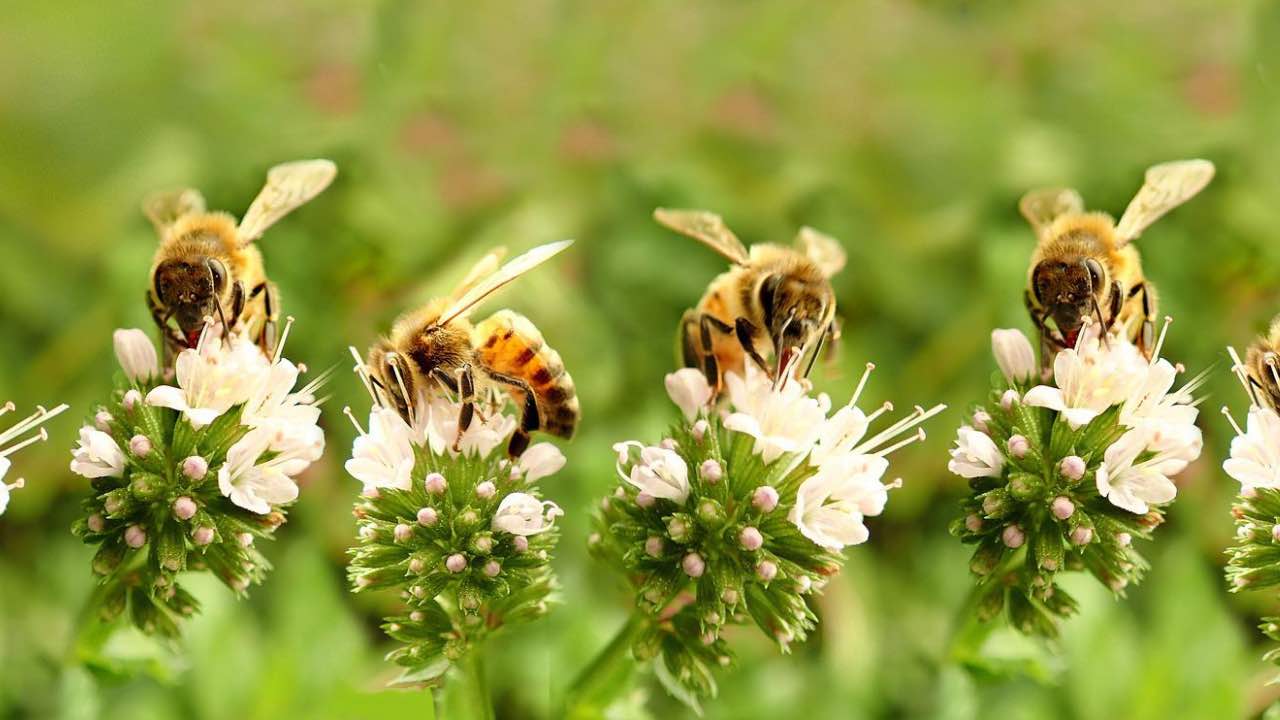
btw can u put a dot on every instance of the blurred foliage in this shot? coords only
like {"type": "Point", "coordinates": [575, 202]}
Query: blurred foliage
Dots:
{"type": "Point", "coordinates": [908, 129]}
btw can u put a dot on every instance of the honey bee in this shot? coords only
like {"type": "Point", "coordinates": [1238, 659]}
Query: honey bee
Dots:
{"type": "Point", "coordinates": [207, 266]}
{"type": "Point", "coordinates": [505, 353]}
{"type": "Point", "coordinates": [1084, 265]}
{"type": "Point", "coordinates": [775, 301]}
{"type": "Point", "coordinates": [1262, 367]}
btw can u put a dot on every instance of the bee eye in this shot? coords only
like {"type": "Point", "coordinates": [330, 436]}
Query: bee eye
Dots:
{"type": "Point", "coordinates": [218, 272]}
{"type": "Point", "coordinates": [1095, 271]}
{"type": "Point", "coordinates": [768, 297]}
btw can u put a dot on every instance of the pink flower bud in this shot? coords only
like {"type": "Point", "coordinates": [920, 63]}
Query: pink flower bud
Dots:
{"type": "Point", "coordinates": [644, 500]}
{"type": "Point", "coordinates": [492, 568]}
{"type": "Point", "coordinates": [417, 616]}
{"type": "Point", "coordinates": [699, 430]}
{"type": "Point", "coordinates": [973, 523]}
{"type": "Point", "coordinates": [711, 471]}
{"type": "Point", "coordinates": [240, 584]}
{"type": "Point", "coordinates": [417, 566]}
{"type": "Point", "coordinates": [1009, 399]}
{"type": "Point", "coordinates": [693, 565]}
{"type": "Point", "coordinates": [1018, 446]}
{"type": "Point", "coordinates": [981, 418]}
{"type": "Point", "coordinates": [96, 523]}
{"type": "Point", "coordinates": [750, 539]}
{"type": "Point", "coordinates": [804, 584]}
{"type": "Point", "coordinates": [371, 492]}
{"type": "Point", "coordinates": [708, 638]}
{"type": "Point", "coordinates": [486, 490]}
{"type": "Point", "coordinates": [1072, 467]}
{"type": "Point", "coordinates": [1275, 533]}
{"type": "Point", "coordinates": [195, 467]}
{"type": "Point", "coordinates": [1249, 493]}
{"type": "Point", "coordinates": [403, 533]}
{"type": "Point", "coordinates": [1013, 537]}
{"type": "Point", "coordinates": [102, 421]}
{"type": "Point", "coordinates": [135, 537]}
{"type": "Point", "coordinates": [245, 539]}
{"type": "Point", "coordinates": [202, 536]}
{"type": "Point", "coordinates": [668, 444]}
{"type": "Point", "coordinates": [1049, 564]}
{"type": "Point", "coordinates": [991, 505]}
{"type": "Point", "coordinates": [521, 543]}
{"type": "Point", "coordinates": [677, 529]}
{"type": "Point", "coordinates": [427, 517]}
{"type": "Point", "coordinates": [1082, 536]}
{"type": "Point", "coordinates": [765, 498]}
{"type": "Point", "coordinates": [140, 445]}
{"type": "Point", "coordinates": [766, 570]}
{"type": "Point", "coordinates": [1124, 538]}
{"type": "Point", "coordinates": [729, 596]}
{"type": "Point", "coordinates": [435, 483]}
{"type": "Point", "coordinates": [653, 546]}
{"type": "Point", "coordinates": [1119, 583]}
{"type": "Point", "coordinates": [456, 563]}
{"type": "Point", "coordinates": [131, 400]}
{"type": "Point", "coordinates": [1062, 507]}
{"type": "Point", "coordinates": [484, 543]}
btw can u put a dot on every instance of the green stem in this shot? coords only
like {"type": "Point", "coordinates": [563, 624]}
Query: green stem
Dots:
{"type": "Point", "coordinates": [465, 695]}
{"type": "Point", "coordinates": [606, 677]}
{"type": "Point", "coordinates": [968, 632]}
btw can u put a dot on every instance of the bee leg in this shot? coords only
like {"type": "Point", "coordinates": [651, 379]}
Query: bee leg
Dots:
{"type": "Point", "coordinates": [822, 341]}
{"type": "Point", "coordinates": [268, 329]}
{"type": "Point", "coordinates": [531, 418]}
{"type": "Point", "coordinates": [170, 340]}
{"type": "Point", "coordinates": [237, 304]}
{"type": "Point", "coordinates": [710, 364]}
{"type": "Point", "coordinates": [746, 333]}
{"type": "Point", "coordinates": [1147, 337]}
{"type": "Point", "coordinates": [688, 343]}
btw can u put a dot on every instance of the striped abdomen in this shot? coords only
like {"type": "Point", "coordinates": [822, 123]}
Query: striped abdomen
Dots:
{"type": "Point", "coordinates": [509, 344]}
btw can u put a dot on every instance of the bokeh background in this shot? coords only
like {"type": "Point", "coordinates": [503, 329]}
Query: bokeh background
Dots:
{"type": "Point", "coordinates": [908, 129]}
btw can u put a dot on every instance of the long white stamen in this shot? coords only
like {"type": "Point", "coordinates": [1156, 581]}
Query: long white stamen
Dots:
{"type": "Point", "coordinates": [862, 383]}
{"type": "Point", "coordinates": [394, 359]}
{"type": "Point", "coordinates": [1164, 330]}
{"type": "Point", "coordinates": [915, 418]}
{"type": "Point", "coordinates": [315, 384]}
{"type": "Point", "coordinates": [362, 372]}
{"type": "Point", "coordinates": [897, 483]}
{"type": "Point", "coordinates": [352, 416]}
{"type": "Point", "coordinates": [1227, 412]}
{"type": "Point", "coordinates": [1238, 367]}
{"type": "Point", "coordinates": [887, 407]}
{"type": "Point", "coordinates": [38, 437]}
{"type": "Point", "coordinates": [204, 332]}
{"type": "Point", "coordinates": [1085, 322]}
{"type": "Point", "coordinates": [18, 484]}
{"type": "Point", "coordinates": [7, 408]}
{"type": "Point", "coordinates": [915, 437]}
{"type": "Point", "coordinates": [284, 335]}
{"type": "Point", "coordinates": [1270, 360]}
{"type": "Point", "coordinates": [39, 416]}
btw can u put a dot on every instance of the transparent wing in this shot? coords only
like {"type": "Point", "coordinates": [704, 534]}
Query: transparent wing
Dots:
{"type": "Point", "coordinates": [165, 208]}
{"type": "Point", "coordinates": [1042, 207]}
{"type": "Point", "coordinates": [503, 275]}
{"type": "Point", "coordinates": [824, 250]}
{"type": "Point", "coordinates": [707, 228]}
{"type": "Point", "coordinates": [288, 186]}
{"type": "Point", "coordinates": [482, 269]}
{"type": "Point", "coordinates": [1166, 187]}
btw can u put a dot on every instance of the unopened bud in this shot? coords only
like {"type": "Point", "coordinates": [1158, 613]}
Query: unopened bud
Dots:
{"type": "Point", "coordinates": [434, 483]}
{"type": "Point", "coordinates": [195, 467]}
{"type": "Point", "coordinates": [131, 400]}
{"type": "Point", "coordinates": [699, 430]}
{"type": "Point", "coordinates": [456, 563]}
{"type": "Point", "coordinates": [135, 537]}
{"type": "Point", "coordinates": [245, 539]}
{"type": "Point", "coordinates": [492, 568]}
{"type": "Point", "coordinates": [765, 498]}
{"type": "Point", "coordinates": [1013, 537]}
{"type": "Point", "coordinates": [402, 533]}
{"type": "Point", "coordinates": [1009, 399]}
{"type": "Point", "coordinates": [973, 523]}
{"type": "Point", "coordinates": [1018, 446]}
{"type": "Point", "coordinates": [981, 421]}
{"type": "Point", "coordinates": [766, 570]}
{"type": "Point", "coordinates": [1062, 507]}
{"type": "Point", "coordinates": [202, 536]}
{"type": "Point", "coordinates": [693, 565]}
{"type": "Point", "coordinates": [102, 421]}
{"type": "Point", "coordinates": [1124, 538]}
{"type": "Point", "coordinates": [750, 539]}
{"type": "Point", "coordinates": [711, 471]}
{"type": "Point", "coordinates": [1082, 536]}
{"type": "Point", "coordinates": [1072, 467]}
{"type": "Point", "coordinates": [486, 490]}
{"type": "Point", "coordinates": [521, 543]}
{"type": "Point", "coordinates": [140, 445]}
{"type": "Point", "coordinates": [427, 517]}
{"type": "Point", "coordinates": [96, 523]}
{"type": "Point", "coordinates": [653, 546]}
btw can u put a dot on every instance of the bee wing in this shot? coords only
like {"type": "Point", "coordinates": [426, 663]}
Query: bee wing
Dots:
{"type": "Point", "coordinates": [707, 228]}
{"type": "Point", "coordinates": [482, 269]}
{"type": "Point", "coordinates": [288, 186]}
{"type": "Point", "coordinates": [165, 208]}
{"type": "Point", "coordinates": [1166, 186]}
{"type": "Point", "coordinates": [503, 275]}
{"type": "Point", "coordinates": [1042, 207]}
{"type": "Point", "coordinates": [824, 250]}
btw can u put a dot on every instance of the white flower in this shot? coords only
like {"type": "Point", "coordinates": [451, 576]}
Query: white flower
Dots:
{"type": "Point", "coordinates": [1134, 487]}
{"type": "Point", "coordinates": [782, 421]}
{"type": "Point", "coordinates": [136, 354]}
{"type": "Point", "coordinates": [689, 390]}
{"type": "Point", "coordinates": [440, 420]}
{"type": "Point", "coordinates": [1151, 401]}
{"type": "Point", "coordinates": [1255, 455]}
{"type": "Point", "coordinates": [661, 473]}
{"type": "Point", "coordinates": [831, 505]}
{"type": "Point", "coordinates": [975, 455]}
{"type": "Point", "coordinates": [541, 460]}
{"type": "Point", "coordinates": [1014, 355]}
{"type": "Point", "coordinates": [212, 379]}
{"type": "Point", "coordinates": [5, 464]}
{"type": "Point", "coordinates": [256, 487]}
{"type": "Point", "coordinates": [384, 457]}
{"type": "Point", "coordinates": [524, 514]}
{"type": "Point", "coordinates": [271, 401]}
{"type": "Point", "coordinates": [97, 455]}
{"type": "Point", "coordinates": [1091, 378]}
{"type": "Point", "coordinates": [839, 434]}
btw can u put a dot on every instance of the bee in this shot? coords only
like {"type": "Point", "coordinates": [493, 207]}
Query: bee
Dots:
{"type": "Point", "coordinates": [207, 265]}
{"type": "Point", "coordinates": [505, 353]}
{"type": "Point", "coordinates": [1084, 265]}
{"type": "Point", "coordinates": [775, 302]}
{"type": "Point", "coordinates": [1262, 367]}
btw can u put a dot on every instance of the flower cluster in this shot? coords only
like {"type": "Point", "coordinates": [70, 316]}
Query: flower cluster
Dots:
{"type": "Point", "coordinates": [741, 512]}
{"type": "Point", "coordinates": [14, 432]}
{"type": "Point", "coordinates": [1255, 462]}
{"type": "Point", "coordinates": [453, 524]}
{"type": "Point", "coordinates": [186, 476]}
{"type": "Point", "coordinates": [1064, 476]}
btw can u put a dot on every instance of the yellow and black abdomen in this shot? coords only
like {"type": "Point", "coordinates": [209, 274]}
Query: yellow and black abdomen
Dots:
{"type": "Point", "coordinates": [508, 343]}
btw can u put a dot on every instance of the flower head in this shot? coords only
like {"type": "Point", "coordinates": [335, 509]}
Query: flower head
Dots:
{"type": "Point", "coordinates": [660, 473]}
{"type": "Point", "coordinates": [97, 455]}
{"type": "Point", "coordinates": [256, 483]}
{"type": "Point", "coordinates": [689, 390]}
{"type": "Point", "coordinates": [541, 460]}
{"type": "Point", "coordinates": [1090, 378]}
{"type": "Point", "coordinates": [782, 420]}
{"type": "Point", "coordinates": [383, 457]}
{"type": "Point", "coordinates": [1255, 454]}
{"type": "Point", "coordinates": [1132, 485]}
{"type": "Point", "coordinates": [830, 505]}
{"type": "Point", "coordinates": [975, 455]}
{"type": "Point", "coordinates": [212, 378]}
{"type": "Point", "coordinates": [136, 354]}
{"type": "Point", "coordinates": [1014, 355]}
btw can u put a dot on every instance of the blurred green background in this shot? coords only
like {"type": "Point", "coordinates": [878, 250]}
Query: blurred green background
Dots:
{"type": "Point", "coordinates": [908, 129]}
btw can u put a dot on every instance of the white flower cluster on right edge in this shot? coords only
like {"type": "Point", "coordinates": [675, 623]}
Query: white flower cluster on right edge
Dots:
{"type": "Point", "coordinates": [1064, 475]}
{"type": "Point", "coordinates": [741, 511]}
